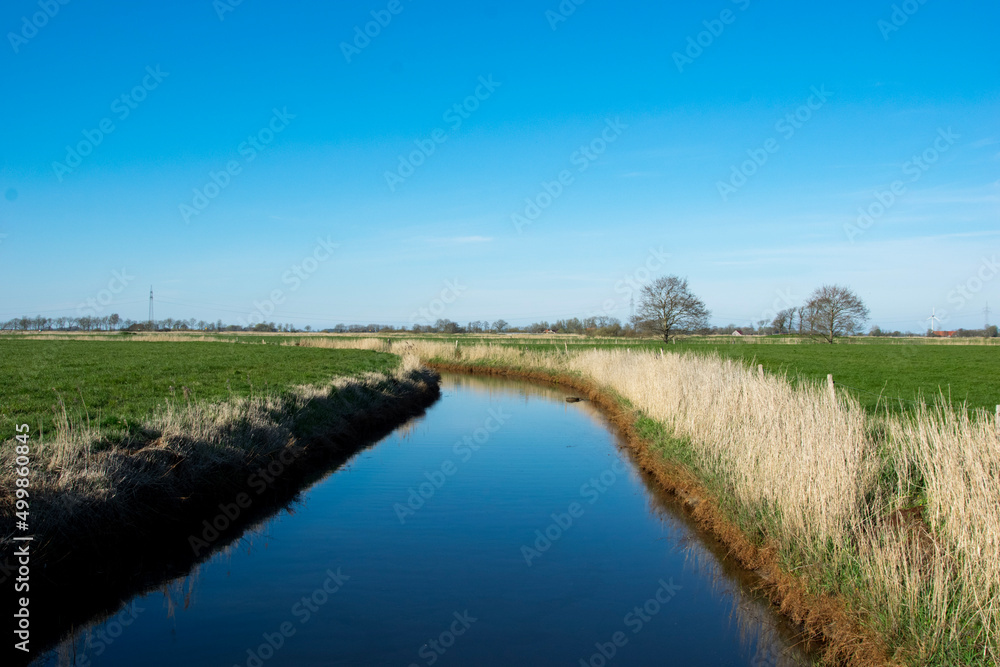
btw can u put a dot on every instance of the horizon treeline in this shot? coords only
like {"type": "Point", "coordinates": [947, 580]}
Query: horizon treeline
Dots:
{"type": "Point", "coordinates": [784, 324]}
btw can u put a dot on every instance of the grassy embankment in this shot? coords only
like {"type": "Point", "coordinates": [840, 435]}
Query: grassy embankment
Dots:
{"type": "Point", "coordinates": [879, 531]}
{"type": "Point", "coordinates": [134, 445]}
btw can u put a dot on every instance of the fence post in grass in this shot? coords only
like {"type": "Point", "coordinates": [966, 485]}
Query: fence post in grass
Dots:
{"type": "Point", "coordinates": [829, 383]}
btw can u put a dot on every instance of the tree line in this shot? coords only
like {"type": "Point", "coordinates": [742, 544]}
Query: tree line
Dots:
{"type": "Point", "coordinates": [667, 308]}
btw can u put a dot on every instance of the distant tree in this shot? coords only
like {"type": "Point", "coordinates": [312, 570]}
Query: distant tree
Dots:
{"type": "Point", "coordinates": [500, 325]}
{"type": "Point", "coordinates": [991, 331]}
{"type": "Point", "coordinates": [612, 328]}
{"type": "Point", "coordinates": [836, 311]}
{"type": "Point", "coordinates": [667, 305]}
{"type": "Point", "coordinates": [447, 326]}
{"type": "Point", "coordinates": [784, 321]}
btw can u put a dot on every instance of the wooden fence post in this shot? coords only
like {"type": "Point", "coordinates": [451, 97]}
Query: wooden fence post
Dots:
{"type": "Point", "coordinates": [829, 383]}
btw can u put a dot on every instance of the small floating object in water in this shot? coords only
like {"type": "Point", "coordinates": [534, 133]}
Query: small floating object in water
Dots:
{"type": "Point", "coordinates": [573, 399]}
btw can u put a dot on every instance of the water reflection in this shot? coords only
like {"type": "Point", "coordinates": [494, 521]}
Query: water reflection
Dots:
{"type": "Point", "coordinates": [414, 585]}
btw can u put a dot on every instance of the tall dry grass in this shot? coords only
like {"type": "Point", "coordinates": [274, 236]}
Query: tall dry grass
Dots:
{"type": "Point", "coordinates": [899, 513]}
{"type": "Point", "coordinates": [794, 454]}
{"type": "Point", "coordinates": [949, 572]}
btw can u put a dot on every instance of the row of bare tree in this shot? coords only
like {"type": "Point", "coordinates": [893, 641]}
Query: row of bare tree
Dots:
{"type": "Point", "coordinates": [668, 306]}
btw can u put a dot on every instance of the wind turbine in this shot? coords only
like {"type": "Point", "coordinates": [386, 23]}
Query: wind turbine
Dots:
{"type": "Point", "coordinates": [933, 317]}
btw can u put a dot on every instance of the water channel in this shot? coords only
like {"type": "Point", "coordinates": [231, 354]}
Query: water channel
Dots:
{"type": "Point", "coordinates": [505, 526]}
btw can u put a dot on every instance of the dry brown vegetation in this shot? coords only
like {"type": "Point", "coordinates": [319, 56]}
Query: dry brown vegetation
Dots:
{"type": "Point", "coordinates": [896, 515]}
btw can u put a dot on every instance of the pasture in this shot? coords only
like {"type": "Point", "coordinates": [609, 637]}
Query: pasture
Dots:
{"type": "Point", "coordinates": [115, 383]}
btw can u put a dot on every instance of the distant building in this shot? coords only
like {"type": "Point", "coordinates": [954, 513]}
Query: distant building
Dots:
{"type": "Point", "coordinates": [944, 334]}
{"type": "Point", "coordinates": [737, 333]}
{"type": "Point", "coordinates": [549, 331]}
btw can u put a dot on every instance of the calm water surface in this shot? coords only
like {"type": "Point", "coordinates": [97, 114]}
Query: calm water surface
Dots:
{"type": "Point", "coordinates": [504, 527]}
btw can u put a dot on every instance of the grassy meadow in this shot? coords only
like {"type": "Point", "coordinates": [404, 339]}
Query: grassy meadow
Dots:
{"type": "Point", "coordinates": [118, 383]}
{"type": "Point", "coordinates": [879, 373]}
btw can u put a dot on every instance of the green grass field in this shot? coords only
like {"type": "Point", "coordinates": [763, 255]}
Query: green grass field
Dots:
{"type": "Point", "coordinates": [122, 381]}
{"type": "Point", "coordinates": [965, 373]}
{"type": "Point", "coordinates": [875, 371]}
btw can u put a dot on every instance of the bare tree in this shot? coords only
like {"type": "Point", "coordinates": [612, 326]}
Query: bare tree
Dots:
{"type": "Point", "coordinates": [836, 311]}
{"type": "Point", "coordinates": [784, 321]}
{"type": "Point", "coordinates": [500, 325]}
{"type": "Point", "coordinates": [667, 305]}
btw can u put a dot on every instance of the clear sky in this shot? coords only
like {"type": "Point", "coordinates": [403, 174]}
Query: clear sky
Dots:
{"type": "Point", "coordinates": [730, 142]}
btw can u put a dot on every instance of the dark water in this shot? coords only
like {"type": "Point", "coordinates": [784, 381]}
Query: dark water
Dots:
{"type": "Point", "coordinates": [535, 543]}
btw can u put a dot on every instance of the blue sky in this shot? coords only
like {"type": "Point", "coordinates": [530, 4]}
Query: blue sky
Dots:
{"type": "Point", "coordinates": [659, 133]}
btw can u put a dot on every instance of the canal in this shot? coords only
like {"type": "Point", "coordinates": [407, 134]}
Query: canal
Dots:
{"type": "Point", "coordinates": [506, 526]}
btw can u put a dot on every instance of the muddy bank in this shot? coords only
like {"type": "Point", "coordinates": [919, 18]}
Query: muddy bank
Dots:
{"type": "Point", "coordinates": [187, 503]}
